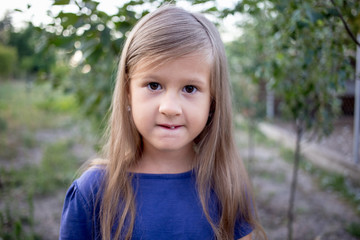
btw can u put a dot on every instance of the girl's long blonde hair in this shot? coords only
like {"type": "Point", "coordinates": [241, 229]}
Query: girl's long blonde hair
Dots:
{"type": "Point", "coordinates": [166, 34]}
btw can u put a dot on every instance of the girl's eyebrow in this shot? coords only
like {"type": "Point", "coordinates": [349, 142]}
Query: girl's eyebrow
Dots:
{"type": "Point", "coordinates": [187, 81]}
{"type": "Point", "coordinates": [196, 82]}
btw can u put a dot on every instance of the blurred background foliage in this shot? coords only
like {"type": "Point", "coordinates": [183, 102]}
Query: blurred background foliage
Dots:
{"type": "Point", "coordinates": [297, 50]}
{"type": "Point", "coordinates": [300, 51]}
{"type": "Point", "coordinates": [288, 58]}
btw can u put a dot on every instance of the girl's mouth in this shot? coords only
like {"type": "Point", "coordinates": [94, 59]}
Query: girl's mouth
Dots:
{"type": "Point", "coordinates": [172, 127]}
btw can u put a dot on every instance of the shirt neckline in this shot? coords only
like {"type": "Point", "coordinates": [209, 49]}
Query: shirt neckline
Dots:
{"type": "Point", "coordinates": [186, 174]}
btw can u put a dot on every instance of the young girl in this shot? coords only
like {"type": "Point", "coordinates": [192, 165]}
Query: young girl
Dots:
{"type": "Point", "coordinates": [171, 169]}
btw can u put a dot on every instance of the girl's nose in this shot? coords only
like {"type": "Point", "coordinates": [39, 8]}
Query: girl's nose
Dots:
{"type": "Point", "coordinates": [170, 105]}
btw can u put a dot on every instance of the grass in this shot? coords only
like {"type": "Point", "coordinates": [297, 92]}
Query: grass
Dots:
{"type": "Point", "coordinates": [17, 225]}
{"type": "Point", "coordinates": [276, 177]}
{"type": "Point", "coordinates": [258, 136]}
{"type": "Point", "coordinates": [24, 110]}
{"type": "Point", "coordinates": [23, 106]}
{"type": "Point", "coordinates": [55, 171]}
{"type": "Point", "coordinates": [329, 181]}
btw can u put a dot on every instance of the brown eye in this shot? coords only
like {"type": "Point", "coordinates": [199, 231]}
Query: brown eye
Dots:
{"type": "Point", "coordinates": [153, 86]}
{"type": "Point", "coordinates": [190, 89]}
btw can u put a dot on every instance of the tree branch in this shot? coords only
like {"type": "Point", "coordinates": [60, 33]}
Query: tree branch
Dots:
{"type": "Point", "coordinates": [352, 36]}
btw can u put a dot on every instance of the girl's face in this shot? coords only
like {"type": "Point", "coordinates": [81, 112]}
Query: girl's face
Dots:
{"type": "Point", "coordinates": [170, 104]}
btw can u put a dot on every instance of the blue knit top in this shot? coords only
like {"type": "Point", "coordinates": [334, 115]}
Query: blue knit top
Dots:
{"type": "Point", "coordinates": [167, 207]}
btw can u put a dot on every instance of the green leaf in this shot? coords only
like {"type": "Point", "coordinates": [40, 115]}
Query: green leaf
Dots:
{"type": "Point", "coordinates": [92, 5]}
{"type": "Point", "coordinates": [331, 11]}
{"type": "Point", "coordinates": [61, 41]}
{"type": "Point", "coordinates": [68, 19]}
{"type": "Point", "coordinates": [199, 1]}
{"type": "Point", "coordinates": [302, 24]}
{"type": "Point", "coordinates": [61, 2]}
{"type": "Point", "coordinates": [313, 15]}
{"type": "Point", "coordinates": [211, 10]}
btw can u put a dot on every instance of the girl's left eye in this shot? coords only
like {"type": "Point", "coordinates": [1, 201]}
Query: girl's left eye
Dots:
{"type": "Point", "coordinates": [190, 89]}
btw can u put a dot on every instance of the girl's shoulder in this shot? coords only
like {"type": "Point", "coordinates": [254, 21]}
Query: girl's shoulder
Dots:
{"type": "Point", "coordinates": [80, 201]}
{"type": "Point", "coordinates": [90, 181]}
{"type": "Point", "coordinates": [85, 189]}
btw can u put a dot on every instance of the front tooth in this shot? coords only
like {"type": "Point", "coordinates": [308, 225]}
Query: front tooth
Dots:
{"type": "Point", "coordinates": [172, 127]}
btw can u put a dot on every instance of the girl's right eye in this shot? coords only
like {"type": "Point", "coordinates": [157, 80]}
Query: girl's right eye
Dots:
{"type": "Point", "coordinates": [153, 86]}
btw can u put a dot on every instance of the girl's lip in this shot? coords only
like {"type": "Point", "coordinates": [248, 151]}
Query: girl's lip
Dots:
{"type": "Point", "coordinates": [169, 126]}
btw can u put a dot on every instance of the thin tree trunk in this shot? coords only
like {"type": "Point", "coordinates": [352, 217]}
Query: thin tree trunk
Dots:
{"type": "Point", "coordinates": [251, 141]}
{"type": "Point", "coordinates": [299, 132]}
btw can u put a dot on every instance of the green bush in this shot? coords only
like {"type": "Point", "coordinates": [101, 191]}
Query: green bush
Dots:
{"type": "Point", "coordinates": [8, 57]}
{"type": "Point", "coordinates": [56, 171]}
{"type": "Point", "coordinates": [59, 103]}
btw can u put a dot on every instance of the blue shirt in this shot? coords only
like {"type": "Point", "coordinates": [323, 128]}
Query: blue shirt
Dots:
{"type": "Point", "coordinates": [167, 207]}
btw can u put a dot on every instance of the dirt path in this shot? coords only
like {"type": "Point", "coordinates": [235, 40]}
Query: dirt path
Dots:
{"type": "Point", "coordinates": [320, 215]}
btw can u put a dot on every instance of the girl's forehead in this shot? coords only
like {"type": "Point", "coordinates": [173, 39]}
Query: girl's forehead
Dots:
{"type": "Point", "coordinates": [150, 63]}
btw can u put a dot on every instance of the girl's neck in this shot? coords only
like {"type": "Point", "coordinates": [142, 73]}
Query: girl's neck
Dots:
{"type": "Point", "coordinates": [153, 161]}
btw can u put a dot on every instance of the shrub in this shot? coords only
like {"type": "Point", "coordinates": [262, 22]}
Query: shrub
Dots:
{"type": "Point", "coordinates": [8, 57]}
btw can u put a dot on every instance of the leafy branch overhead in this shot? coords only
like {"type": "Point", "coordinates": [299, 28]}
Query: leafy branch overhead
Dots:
{"type": "Point", "coordinates": [300, 49]}
{"type": "Point", "coordinates": [351, 34]}
{"type": "Point", "coordinates": [93, 40]}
